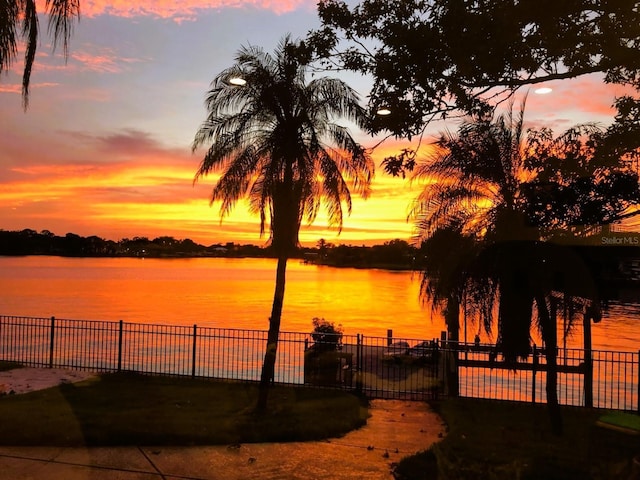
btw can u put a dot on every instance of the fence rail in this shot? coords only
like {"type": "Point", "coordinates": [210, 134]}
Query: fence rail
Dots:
{"type": "Point", "coordinates": [380, 367]}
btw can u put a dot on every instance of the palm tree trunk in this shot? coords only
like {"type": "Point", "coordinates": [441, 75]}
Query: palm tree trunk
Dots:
{"type": "Point", "coordinates": [550, 336]}
{"type": "Point", "coordinates": [269, 364]}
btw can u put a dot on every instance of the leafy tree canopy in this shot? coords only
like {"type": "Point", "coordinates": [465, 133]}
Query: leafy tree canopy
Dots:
{"type": "Point", "coordinates": [583, 177]}
{"type": "Point", "coordinates": [432, 58]}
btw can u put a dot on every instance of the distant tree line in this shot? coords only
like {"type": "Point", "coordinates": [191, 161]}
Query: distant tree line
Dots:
{"type": "Point", "coordinates": [394, 254]}
{"type": "Point", "coordinates": [30, 242]}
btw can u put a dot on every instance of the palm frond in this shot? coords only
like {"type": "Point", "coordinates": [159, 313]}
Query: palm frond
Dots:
{"type": "Point", "coordinates": [61, 16]}
{"type": "Point", "coordinates": [9, 19]}
{"type": "Point", "coordinates": [30, 33]}
{"type": "Point", "coordinates": [235, 181]}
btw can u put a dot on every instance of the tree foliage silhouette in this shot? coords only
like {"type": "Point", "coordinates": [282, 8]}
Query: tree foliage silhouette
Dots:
{"type": "Point", "coordinates": [433, 58]}
{"type": "Point", "coordinates": [484, 231]}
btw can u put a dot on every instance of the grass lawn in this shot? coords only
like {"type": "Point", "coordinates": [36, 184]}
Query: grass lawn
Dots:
{"type": "Point", "coordinates": [504, 440]}
{"type": "Point", "coordinates": [133, 409]}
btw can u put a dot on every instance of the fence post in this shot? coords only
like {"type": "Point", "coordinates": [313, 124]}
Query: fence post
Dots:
{"type": "Point", "coordinates": [359, 363]}
{"type": "Point", "coordinates": [534, 370]}
{"type": "Point", "coordinates": [193, 353]}
{"type": "Point", "coordinates": [120, 346]}
{"type": "Point", "coordinates": [588, 361]}
{"type": "Point", "coordinates": [51, 341]}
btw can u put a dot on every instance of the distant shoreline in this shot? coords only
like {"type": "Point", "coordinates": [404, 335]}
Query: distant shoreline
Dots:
{"type": "Point", "coordinates": [392, 255]}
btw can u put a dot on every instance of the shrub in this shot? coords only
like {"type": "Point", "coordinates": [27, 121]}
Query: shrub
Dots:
{"type": "Point", "coordinates": [326, 336]}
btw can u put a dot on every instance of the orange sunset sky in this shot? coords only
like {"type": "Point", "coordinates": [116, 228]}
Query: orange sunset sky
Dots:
{"type": "Point", "coordinates": [105, 146]}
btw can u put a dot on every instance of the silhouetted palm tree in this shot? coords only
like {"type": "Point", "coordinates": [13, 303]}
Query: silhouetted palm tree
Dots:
{"type": "Point", "coordinates": [274, 140]}
{"type": "Point", "coordinates": [19, 20]}
{"type": "Point", "coordinates": [473, 181]}
{"type": "Point", "coordinates": [474, 194]}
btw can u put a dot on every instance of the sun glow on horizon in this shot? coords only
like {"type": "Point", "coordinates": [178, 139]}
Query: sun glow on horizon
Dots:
{"type": "Point", "coordinates": [144, 200]}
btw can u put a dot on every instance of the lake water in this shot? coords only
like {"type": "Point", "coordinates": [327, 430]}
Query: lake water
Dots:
{"type": "Point", "coordinates": [237, 293]}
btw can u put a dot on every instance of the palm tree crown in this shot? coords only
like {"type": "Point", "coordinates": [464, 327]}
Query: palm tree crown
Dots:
{"type": "Point", "coordinates": [19, 18]}
{"type": "Point", "coordinates": [474, 179]}
{"type": "Point", "coordinates": [274, 140]}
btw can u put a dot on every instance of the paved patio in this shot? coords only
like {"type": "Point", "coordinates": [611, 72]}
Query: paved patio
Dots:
{"type": "Point", "coordinates": [395, 429]}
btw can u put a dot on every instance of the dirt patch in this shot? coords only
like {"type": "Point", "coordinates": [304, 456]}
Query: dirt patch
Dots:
{"type": "Point", "coordinates": [28, 379]}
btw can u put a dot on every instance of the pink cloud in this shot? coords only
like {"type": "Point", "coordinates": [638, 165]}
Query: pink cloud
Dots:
{"type": "Point", "coordinates": [12, 88]}
{"type": "Point", "coordinates": [178, 10]}
{"type": "Point", "coordinates": [17, 88]}
{"type": "Point", "coordinates": [86, 58]}
{"type": "Point", "coordinates": [104, 61]}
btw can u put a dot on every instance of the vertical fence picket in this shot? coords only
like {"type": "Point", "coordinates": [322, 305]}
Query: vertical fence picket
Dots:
{"type": "Point", "coordinates": [359, 363]}
{"type": "Point", "coordinates": [52, 341]}
{"type": "Point", "coordinates": [534, 371]}
{"type": "Point", "coordinates": [588, 362]}
{"type": "Point", "coordinates": [193, 352]}
{"type": "Point", "coordinates": [120, 325]}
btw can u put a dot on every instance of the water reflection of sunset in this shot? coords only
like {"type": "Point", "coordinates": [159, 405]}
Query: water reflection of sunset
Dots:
{"type": "Point", "coordinates": [237, 293]}
{"type": "Point", "coordinates": [224, 293]}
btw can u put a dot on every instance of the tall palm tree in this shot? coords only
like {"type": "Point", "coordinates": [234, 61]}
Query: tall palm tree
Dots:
{"type": "Point", "coordinates": [19, 19]}
{"type": "Point", "coordinates": [474, 188]}
{"type": "Point", "coordinates": [274, 140]}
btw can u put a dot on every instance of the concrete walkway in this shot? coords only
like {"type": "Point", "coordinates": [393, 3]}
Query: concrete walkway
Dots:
{"type": "Point", "coordinates": [395, 429]}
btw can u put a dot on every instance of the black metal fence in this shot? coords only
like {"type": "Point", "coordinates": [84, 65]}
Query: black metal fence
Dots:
{"type": "Point", "coordinates": [601, 379]}
{"type": "Point", "coordinates": [380, 367]}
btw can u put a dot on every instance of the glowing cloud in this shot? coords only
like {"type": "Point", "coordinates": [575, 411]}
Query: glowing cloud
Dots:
{"type": "Point", "coordinates": [178, 11]}
{"type": "Point", "coordinates": [104, 61]}
{"type": "Point", "coordinates": [12, 88]}
{"type": "Point", "coordinates": [17, 88]}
